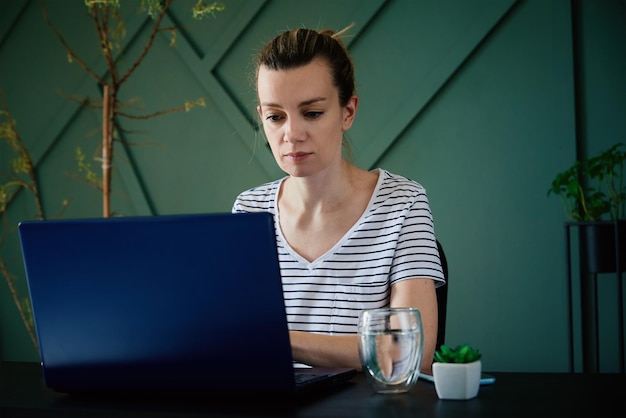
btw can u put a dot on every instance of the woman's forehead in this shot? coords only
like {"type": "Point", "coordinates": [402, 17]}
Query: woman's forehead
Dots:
{"type": "Point", "coordinates": [294, 84]}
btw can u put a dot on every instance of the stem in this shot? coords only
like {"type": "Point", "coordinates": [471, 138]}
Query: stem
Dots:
{"type": "Point", "coordinates": [148, 46]}
{"type": "Point", "coordinates": [583, 203]}
{"type": "Point", "coordinates": [609, 181]}
{"type": "Point", "coordinates": [154, 114]}
{"type": "Point", "coordinates": [107, 150]}
{"type": "Point", "coordinates": [66, 46]}
{"type": "Point", "coordinates": [10, 281]}
{"type": "Point", "coordinates": [32, 186]}
{"type": "Point", "coordinates": [100, 18]}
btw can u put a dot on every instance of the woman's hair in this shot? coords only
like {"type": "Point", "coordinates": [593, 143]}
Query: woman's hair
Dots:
{"type": "Point", "coordinates": [297, 47]}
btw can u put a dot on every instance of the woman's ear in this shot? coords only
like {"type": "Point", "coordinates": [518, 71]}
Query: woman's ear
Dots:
{"type": "Point", "coordinates": [349, 112]}
{"type": "Point", "coordinates": [260, 112]}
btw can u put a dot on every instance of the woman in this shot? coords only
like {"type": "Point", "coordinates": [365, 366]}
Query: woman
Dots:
{"type": "Point", "coordinates": [348, 239]}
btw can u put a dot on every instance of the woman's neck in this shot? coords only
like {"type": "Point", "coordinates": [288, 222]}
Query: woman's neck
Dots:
{"type": "Point", "coordinates": [326, 191]}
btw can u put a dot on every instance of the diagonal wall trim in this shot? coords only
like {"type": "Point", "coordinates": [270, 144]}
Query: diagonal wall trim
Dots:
{"type": "Point", "coordinates": [485, 19]}
{"type": "Point", "coordinates": [213, 88]}
{"type": "Point", "coordinates": [442, 86]}
{"type": "Point", "coordinates": [10, 14]}
{"type": "Point", "coordinates": [362, 21]}
{"type": "Point", "coordinates": [237, 112]}
{"type": "Point", "coordinates": [237, 27]}
{"type": "Point", "coordinates": [185, 35]}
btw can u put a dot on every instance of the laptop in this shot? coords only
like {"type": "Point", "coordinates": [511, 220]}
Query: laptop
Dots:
{"type": "Point", "coordinates": [176, 303]}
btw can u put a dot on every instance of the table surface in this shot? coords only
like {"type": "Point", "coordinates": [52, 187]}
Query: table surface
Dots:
{"type": "Point", "coordinates": [23, 394]}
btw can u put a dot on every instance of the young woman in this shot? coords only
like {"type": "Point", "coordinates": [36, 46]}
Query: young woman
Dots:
{"type": "Point", "coordinates": [348, 238]}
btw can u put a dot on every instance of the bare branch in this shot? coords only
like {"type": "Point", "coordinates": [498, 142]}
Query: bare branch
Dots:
{"type": "Point", "coordinates": [10, 279]}
{"type": "Point", "coordinates": [184, 108]}
{"type": "Point", "coordinates": [148, 46]}
{"type": "Point", "coordinates": [101, 20]}
{"type": "Point", "coordinates": [151, 115]}
{"type": "Point", "coordinates": [82, 179]}
{"type": "Point", "coordinates": [29, 167]}
{"type": "Point", "coordinates": [68, 49]}
{"type": "Point", "coordinates": [87, 102]}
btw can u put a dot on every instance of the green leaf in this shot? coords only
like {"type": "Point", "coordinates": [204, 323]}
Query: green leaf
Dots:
{"type": "Point", "coordinates": [460, 354]}
{"type": "Point", "coordinates": [594, 189]}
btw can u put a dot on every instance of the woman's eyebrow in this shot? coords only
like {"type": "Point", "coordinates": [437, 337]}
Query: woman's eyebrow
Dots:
{"type": "Point", "coordinates": [269, 104]}
{"type": "Point", "coordinates": [311, 101]}
{"type": "Point", "coordinates": [301, 104]}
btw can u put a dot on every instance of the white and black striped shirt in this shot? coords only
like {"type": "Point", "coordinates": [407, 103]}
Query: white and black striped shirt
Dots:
{"type": "Point", "coordinates": [393, 240]}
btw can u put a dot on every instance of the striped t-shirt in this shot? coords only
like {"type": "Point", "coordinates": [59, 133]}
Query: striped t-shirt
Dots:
{"type": "Point", "coordinates": [393, 240]}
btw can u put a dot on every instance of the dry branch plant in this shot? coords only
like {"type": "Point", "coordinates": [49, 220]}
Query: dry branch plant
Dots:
{"type": "Point", "coordinates": [111, 31]}
{"type": "Point", "coordinates": [22, 174]}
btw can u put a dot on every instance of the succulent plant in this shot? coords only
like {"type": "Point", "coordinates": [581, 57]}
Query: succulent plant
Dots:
{"type": "Point", "coordinates": [461, 354]}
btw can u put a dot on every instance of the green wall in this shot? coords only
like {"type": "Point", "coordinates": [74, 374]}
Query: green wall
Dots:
{"type": "Point", "coordinates": [481, 101]}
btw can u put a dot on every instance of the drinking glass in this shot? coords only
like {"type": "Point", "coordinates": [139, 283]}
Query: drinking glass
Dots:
{"type": "Point", "coordinates": [391, 345]}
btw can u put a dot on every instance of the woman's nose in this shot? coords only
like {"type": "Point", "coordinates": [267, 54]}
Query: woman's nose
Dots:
{"type": "Point", "coordinates": [294, 131]}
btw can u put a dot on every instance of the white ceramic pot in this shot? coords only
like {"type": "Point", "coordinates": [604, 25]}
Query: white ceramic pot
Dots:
{"type": "Point", "coordinates": [457, 380]}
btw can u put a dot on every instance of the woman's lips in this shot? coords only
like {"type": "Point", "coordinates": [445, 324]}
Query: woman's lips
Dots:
{"type": "Point", "coordinates": [297, 157]}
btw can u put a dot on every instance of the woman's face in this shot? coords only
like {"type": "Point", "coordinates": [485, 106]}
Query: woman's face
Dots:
{"type": "Point", "coordinates": [302, 118]}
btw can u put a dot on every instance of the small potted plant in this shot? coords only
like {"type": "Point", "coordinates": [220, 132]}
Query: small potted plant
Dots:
{"type": "Point", "coordinates": [456, 372]}
{"type": "Point", "coordinates": [594, 189]}
{"type": "Point", "coordinates": [593, 194]}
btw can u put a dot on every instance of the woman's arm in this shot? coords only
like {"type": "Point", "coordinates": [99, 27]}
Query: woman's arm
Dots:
{"type": "Point", "coordinates": [420, 294]}
{"type": "Point", "coordinates": [321, 350]}
{"type": "Point", "coordinates": [342, 350]}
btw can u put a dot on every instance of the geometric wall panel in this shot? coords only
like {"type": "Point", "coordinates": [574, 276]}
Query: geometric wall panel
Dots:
{"type": "Point", "coordinates": [475, 100]}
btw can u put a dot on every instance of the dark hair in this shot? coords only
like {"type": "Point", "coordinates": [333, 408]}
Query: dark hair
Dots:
{"type": "Point", "coordinates": [297, 47]}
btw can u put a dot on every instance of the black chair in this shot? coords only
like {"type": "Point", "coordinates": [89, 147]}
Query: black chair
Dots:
{"type": "Point", "coordinates": [442, 298]}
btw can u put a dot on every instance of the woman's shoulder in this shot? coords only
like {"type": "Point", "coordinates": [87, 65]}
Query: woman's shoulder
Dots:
{"type": "Point", "coordinates": [263, 189]}
{"type": "Point", "coordinates": [258, 197]}
{"type": "Point", "coordinates": [398, 196]}
{"type": "Point", "coordinates": [396, 183]}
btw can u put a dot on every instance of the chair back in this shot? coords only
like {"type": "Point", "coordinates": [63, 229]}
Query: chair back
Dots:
{"type": "Point", "coordinates": [442, 298]}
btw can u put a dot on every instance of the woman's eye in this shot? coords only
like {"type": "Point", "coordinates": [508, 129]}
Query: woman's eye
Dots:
{"type": "Point", "coordinates": [313, 114]}
{"type": "Point", "coordinates": [273, 118]}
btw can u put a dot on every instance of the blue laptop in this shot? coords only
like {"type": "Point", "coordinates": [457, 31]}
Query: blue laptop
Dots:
{"type": "Point", "coordinates": [176, 303]}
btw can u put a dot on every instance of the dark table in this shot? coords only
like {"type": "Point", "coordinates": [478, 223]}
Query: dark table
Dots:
{"type": "Point", "coordinates": [24, 394]}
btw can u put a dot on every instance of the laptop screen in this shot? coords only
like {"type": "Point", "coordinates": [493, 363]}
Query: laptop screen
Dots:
{"type": "Point", "coordinates": [172, 302]}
